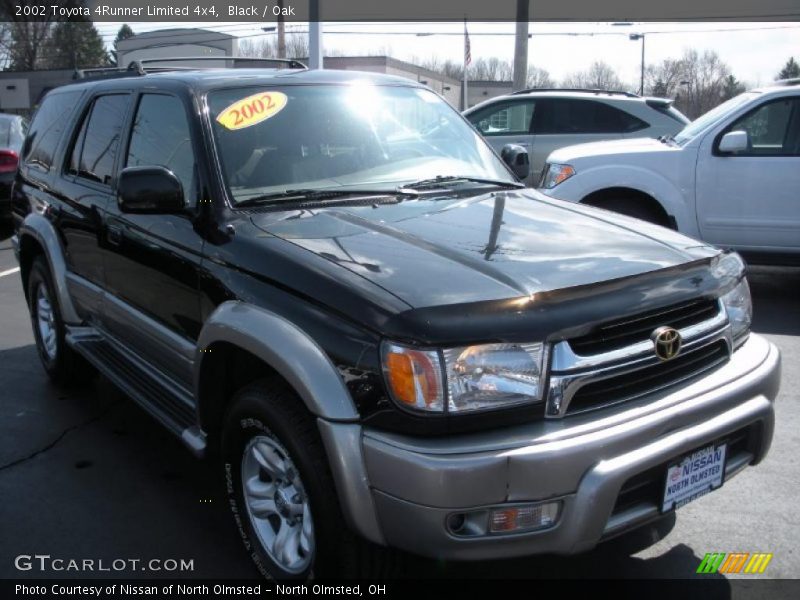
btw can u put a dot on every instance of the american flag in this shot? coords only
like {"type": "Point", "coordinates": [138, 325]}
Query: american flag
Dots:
{"type": "Point", "coordinates": [467, 50]}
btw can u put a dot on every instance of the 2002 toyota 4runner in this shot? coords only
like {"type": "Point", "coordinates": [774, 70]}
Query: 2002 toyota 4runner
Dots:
{"type": "Point", "coordinates": [330, 279]}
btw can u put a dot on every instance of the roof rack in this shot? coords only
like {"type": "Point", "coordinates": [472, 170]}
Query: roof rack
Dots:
{"type": "Point", "coordinates": [155, 65]}
{"type": "Point", "coordinates": [587, 90]}
{"type": "Point", "coordinates": [790, 81]}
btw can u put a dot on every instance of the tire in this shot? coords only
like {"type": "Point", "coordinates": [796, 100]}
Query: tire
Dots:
{"type": "Point", "coordinates": [63, 365]}
{"type": "Point", "coordinates": [635, 207]}
{"type": "Point", "coordinates": [268, 419]}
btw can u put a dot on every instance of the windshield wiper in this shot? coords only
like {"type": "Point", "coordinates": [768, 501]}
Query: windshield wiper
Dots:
{"type": "Point", "coordinates": [306, 195]}
{"type": "Point", "coordinates": [443, 180]}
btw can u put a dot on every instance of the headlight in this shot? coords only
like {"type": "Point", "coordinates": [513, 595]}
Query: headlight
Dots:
{"type": "Point", "coordinates": [483, 377]}
{"type": "Point", "coordinates": [493, 376]}
{"type": "Point", "coordinates": [739, 307]}
{"type": "Point", "coordinates": [555, 174]}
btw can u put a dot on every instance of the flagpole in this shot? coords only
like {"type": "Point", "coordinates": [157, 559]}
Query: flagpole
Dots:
{"type": "Point", "coordinates": [467, 52]}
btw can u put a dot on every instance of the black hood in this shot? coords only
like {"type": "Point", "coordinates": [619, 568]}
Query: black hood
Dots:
{"type": "Point", "coordinates": [492, 246]}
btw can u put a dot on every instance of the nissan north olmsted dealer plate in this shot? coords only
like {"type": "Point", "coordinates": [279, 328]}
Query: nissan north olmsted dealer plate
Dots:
{"type": "Point", "coordinates": [693, 476]}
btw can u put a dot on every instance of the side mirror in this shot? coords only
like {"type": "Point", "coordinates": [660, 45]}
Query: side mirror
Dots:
{"type": "Point", "coordinates": [516, 157]}
{"type": "Point", "coordinates": [734, 141]}
{"type": "Point", "coordinates": [153, 190]}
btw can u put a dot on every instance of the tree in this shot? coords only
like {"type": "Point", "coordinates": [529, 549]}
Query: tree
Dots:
{"type": "Point", "coordinates": [698, 81]}
{"type": "Point", "coordinates": [790, 70]}
{"type": "Point", "coordinates": [125, 32]}
{"type": "Point", "coordinates": [296, 47]}
{"type": "Point", "coordinates": [664, 79]}
{"type": "Point", "coordinates": [539, 78]}
{"type": "Point", "coordinates": [22, 40]}
{"type": "Point", "coordinates": [75, 44]}
{"type": "Point", "coordinates": [600, 76]}
{"type": "Point", "coordinates": [731, 87]}
{"type": "Point", "coordinates": [703, 76]}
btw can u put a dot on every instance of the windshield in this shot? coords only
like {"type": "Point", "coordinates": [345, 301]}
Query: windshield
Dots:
{"type": "Point", "coordinates": [712, 116]}
{"type": "Point", "coordinates": [325, 137]}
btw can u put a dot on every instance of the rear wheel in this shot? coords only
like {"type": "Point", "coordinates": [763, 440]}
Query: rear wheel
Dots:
{"type": "Point", "coordinates": [62, 364]}
{"type": "Point", "coordinates": [281, 491]}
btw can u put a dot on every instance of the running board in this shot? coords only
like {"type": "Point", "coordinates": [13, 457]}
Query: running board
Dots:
{"type": "Point", "coordinates": [167, 402]}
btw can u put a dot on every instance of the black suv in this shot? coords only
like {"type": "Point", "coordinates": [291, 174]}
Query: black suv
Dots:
{"type": "Point", "coordinates": [332, 283]}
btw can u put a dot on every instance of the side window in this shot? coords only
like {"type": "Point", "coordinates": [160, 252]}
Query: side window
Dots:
{"type": "Point", "coordinates": [46, 129]}
{"type": "Point", "coordinates": [772, 128]}
{"type": "Point", "coordinates": [569, 116]}
{"type": "Point", "coordinates": [505, 119]}
{"type": "Point", "coordinates": [609, 119]}
{"type": "Point", "coordinates": [161, 136]}
{"type": "Point", "coordinates": [96, 146]}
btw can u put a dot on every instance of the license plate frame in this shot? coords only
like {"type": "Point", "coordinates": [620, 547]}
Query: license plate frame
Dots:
{"type": "Point", "coordinates": [711, 483]}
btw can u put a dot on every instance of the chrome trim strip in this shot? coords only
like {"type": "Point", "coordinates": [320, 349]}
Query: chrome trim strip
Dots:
{"type": "Point", "coordinates": [564, 359]}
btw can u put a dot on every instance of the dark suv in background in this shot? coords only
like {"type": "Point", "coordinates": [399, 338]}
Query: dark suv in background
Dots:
{"type": "Point", "coordinates": [330, 283]}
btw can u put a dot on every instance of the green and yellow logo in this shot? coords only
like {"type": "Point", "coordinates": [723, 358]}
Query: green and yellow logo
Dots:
{"type": "Point", "coordinates": [735, 562]}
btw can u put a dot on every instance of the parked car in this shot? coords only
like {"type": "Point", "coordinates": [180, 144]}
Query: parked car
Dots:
{"type": "Point", "coordinates": [543, 120]}
{"type": "Point", "coordinates": [12, 133]}
{"type": "Point", "coordinates": [329, 280]}
{"type": "Point", "coordinates": [730, 178]}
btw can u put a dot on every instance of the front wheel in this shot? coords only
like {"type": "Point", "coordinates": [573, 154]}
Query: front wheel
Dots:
{"type": "Point", "coordinates": [281, 491]}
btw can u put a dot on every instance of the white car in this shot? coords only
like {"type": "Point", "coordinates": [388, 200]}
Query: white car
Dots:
{"type": "Point", "coordinates": [731, 178]}
{"type": "Point", "coordinates": [542, 120]}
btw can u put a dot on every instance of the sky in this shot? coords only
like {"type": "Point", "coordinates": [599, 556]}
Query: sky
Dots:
{"type": "Point", "coordinates": [754, 51]}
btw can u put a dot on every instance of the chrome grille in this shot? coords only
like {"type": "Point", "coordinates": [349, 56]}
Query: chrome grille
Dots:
{"type": "Point", "coordinates": [618, 334]}
{"type": "Point", "coordinates": [618, 373]}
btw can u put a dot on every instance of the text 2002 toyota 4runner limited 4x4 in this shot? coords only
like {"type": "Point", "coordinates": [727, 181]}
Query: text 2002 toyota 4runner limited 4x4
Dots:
{"type": "Point", "coordinates": [333, 281]}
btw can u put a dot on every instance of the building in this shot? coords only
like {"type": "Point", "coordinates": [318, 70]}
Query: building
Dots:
{"type": "Point", "coordinates": [442, 84]}
{"type": "Point", "coordinates": [20, 91]}
{"type": "Point", "coordinates": [173, 43]}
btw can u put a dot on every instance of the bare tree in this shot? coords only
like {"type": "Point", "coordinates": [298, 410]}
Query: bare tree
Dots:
{"type": "Point", "coordinates": [704, 78]}
{"type": "Point", "coordinates": [539, 78]}
{"type": "Point", "coordinates": [664, 78]}
{"type": "Point", "coordinates": [296, 47]}
{"type": "Point", "coordinates": [491, 69]}
{"type": "Point", "coordinates": [599, 76]}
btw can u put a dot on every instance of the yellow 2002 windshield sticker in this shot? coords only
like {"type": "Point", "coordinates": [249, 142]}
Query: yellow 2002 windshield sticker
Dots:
{"type": "Point", "coordinates": [252, 110]}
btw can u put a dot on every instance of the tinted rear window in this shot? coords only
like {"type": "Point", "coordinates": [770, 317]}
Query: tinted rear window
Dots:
{"type": "Point", "coordinates": [95, 150]}
{"type": "Point", "coordinates": [47, 127]}
{"type": "Point", "coordinates": [568, 116]}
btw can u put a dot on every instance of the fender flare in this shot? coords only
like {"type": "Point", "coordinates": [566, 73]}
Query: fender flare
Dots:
{"type": "Point", "coordinates": [286, 348]}
{"type": "Point", "coordinates": [305, 366]}
{"type": "Point", "coordinates": [643, 180]}
{"type": "Point", "coordinates": [39, 228]}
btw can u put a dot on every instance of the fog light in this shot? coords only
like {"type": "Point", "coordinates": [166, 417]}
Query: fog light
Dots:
{"type": "Point", "coordinates": [524, 518]}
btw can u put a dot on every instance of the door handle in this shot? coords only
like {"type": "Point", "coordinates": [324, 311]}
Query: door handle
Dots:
{"type": "Point", "coordinates": [114, 234]}
{"type": "Point", "coordinates": [524, 144]}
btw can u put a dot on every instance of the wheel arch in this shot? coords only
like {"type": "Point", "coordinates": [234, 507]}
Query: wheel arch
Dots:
{"type": "Point", "coordinates": [37, 236]}
{"type": "Point", "coordinates": [262, 344]}
{"type": "Point", "coordinates": [239, 341]}
{"type": "Point", "coordinates": [603, 198]}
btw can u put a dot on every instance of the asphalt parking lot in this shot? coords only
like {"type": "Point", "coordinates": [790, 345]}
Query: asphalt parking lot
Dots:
{"type": "Point", "coordinates": [87, 474]}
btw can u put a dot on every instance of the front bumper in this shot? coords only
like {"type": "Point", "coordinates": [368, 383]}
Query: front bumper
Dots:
{"type": "Point", "coordinates": [584, 460]}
